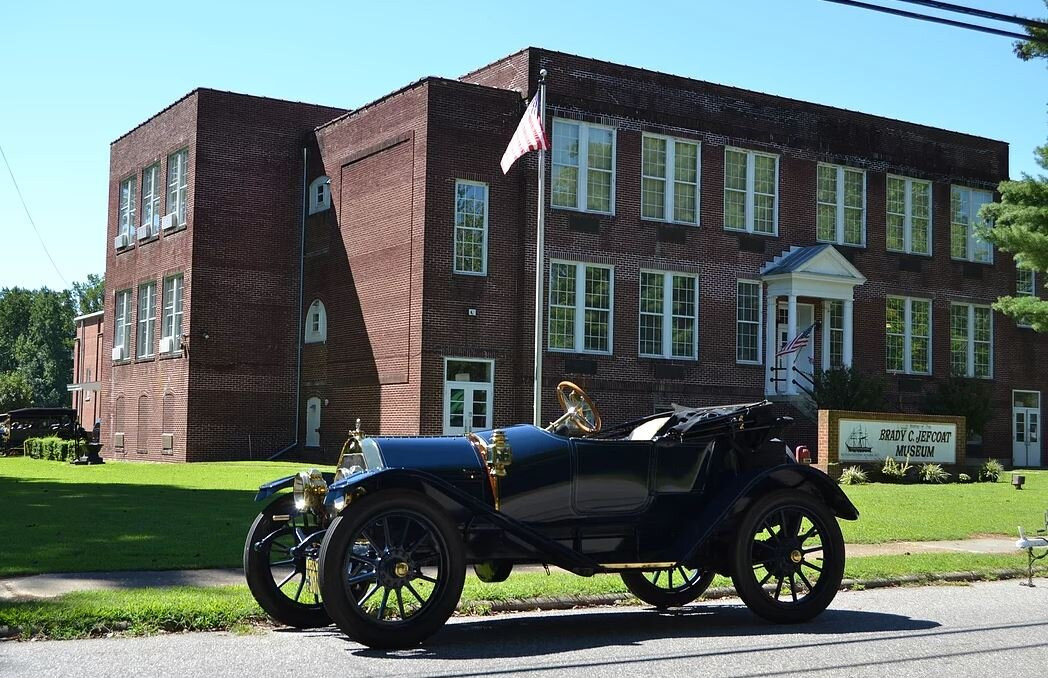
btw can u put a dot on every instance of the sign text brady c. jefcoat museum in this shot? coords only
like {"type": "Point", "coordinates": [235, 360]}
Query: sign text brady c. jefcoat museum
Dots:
{"type": "Point", "coordinates": [868, 440]}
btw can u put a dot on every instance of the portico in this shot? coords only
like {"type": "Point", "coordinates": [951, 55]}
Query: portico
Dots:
{"type": "Point", "coordinates": [818, 272]}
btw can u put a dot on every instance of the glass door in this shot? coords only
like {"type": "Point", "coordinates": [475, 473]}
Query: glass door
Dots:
{"type": "Point", "coordinates": [1026, 428]}
{"type": "Point", "coordinates": [468, 395]}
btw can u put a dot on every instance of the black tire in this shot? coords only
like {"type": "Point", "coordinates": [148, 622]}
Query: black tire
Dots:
{"type": "Point", "coordinates": [793, 573]}
{"type": "Point", "coordinates": [277, 577]}
{"type": "Point", "coordinates": [410, 555]}
{"type": "Point", "coordinates": [672, 587]}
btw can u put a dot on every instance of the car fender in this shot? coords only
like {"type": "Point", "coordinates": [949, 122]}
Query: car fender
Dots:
{"type": "Point", "coordinates": [267, 490]}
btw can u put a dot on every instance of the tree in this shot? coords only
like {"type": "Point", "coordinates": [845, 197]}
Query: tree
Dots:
{"type": "Point", "coordinates": [43, 351]}
{"type": "Point", "coordinates": [90, 294]}
{"type": "Point", "coordinates": [1036, 46]}
{"type": "Point", "coordinates": [845, 388]}
{"type": "Point", "coordinates": [962, 397]}
{"type": "Point", "coordinates": [15, 391]}
{"type": "Point", "coordinates": [14, 309]}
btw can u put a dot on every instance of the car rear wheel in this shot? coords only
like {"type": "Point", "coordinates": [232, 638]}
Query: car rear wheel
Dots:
{"type": "Point", "coordinates": [408, 554]}
{"type": "Point", "coordinates": [275, 552]}
{"type": "Point", "coordinates": [788, 558]}
{"type": "Point", "coordinates": [672, 587]}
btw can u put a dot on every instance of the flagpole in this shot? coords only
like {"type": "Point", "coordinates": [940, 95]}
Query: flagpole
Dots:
{"type": "Point", "coordinates": [540, 250]}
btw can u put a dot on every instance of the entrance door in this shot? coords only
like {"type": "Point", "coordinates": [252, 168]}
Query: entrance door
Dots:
{"type": "Point", "coordinates": [803, 362]}
{"type": "Point", "coordinates": [468, 395]}
{"type": "Point", "coordinates": [1026, 428]}
{"type": "Point", "coordinates": [313, 422]}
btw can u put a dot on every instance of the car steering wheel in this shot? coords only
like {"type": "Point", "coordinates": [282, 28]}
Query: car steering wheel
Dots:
{"type": "Point", "coordinates": [579, 407]}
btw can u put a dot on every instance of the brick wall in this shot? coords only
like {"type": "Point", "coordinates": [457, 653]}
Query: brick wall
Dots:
{"type": "Point", "coordinates": [87, 368]}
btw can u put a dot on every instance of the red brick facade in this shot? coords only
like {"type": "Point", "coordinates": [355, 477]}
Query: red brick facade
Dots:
{"type": "Point", "coordinates": [381, 259]}
{"type": "Point", "coordinates": [88, 349]}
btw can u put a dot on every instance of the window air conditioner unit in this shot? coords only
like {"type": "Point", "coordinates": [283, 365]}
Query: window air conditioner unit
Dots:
{"type": "Point", "coordinates": [121, 241]}
{"type": "Point", "coordinates": [118, 353]}
{"type": "Point", "coordinates": [118, 441]}
{"type": "Point", "coordinates": [169, 221]}
{"type": "Point", "coordinates": [146, 230]}
{"type": "Point", "coordinates": [167, 344]}
{"type": "Point", "coordinates": [168, 441]}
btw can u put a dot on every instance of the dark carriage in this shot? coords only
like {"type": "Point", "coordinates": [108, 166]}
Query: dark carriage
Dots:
{"type": "Point", "coordinates": [666, 501]}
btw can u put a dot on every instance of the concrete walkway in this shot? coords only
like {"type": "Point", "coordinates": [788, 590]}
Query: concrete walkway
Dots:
{"type": "Point", "coordinates": [51, 585]}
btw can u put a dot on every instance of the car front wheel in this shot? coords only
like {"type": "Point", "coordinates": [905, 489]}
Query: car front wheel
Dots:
{"type": "Point", "coordinates": [671, 587]}
{"type": "Point", "coordinates": [409, 556]}
{"type": "Point", "coordinates": [788, 559]}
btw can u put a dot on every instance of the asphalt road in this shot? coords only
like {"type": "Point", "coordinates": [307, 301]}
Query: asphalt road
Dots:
{"type": "Point", "coordinates": [985, 629]}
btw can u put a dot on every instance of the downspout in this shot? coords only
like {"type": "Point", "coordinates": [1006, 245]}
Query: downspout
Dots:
{"type": "Point", "coordinates": [298, 334]}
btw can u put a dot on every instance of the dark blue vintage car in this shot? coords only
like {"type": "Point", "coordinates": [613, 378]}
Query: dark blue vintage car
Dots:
{"type": "Point", "coordinates": [666, 501]}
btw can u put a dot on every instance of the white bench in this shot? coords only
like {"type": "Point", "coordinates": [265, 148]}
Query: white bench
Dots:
{"type": "Point", "coordinates": [1030, 544]}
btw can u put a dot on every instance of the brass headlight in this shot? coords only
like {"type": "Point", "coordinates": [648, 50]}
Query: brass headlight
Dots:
{"type": "Point", "coordinates": [309, 490]}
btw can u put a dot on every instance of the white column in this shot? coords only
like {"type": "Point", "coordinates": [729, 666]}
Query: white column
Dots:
{"type": "Point", "coordinates": [846, 357]}
{"type": "Point", "coordinates": [824, 331]}
{"type": "Point", "coordinates": [791, 332]}
{"type": "Point", "coordinates": [769, 345]}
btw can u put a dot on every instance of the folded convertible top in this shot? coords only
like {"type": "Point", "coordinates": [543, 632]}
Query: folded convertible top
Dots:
{"type": "Point", "coordinates": [697, 422]}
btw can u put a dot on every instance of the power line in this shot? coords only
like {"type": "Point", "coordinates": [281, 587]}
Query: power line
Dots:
{"type": "Point", "coordinates": [982, 13]}
{"type": "Point", "coordinates": [30, 216]}
{"type": "Point", "coordinates": [933, 19]}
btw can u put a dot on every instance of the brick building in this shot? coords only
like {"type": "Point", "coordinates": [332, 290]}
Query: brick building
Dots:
{"type": "Point", "coordinates": [691, 228]}
{"type": "Point", "coordinates": [88, 348]}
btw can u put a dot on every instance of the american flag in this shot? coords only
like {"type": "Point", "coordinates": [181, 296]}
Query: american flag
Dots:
{"type": "Point", "coordinates": [797, 343]}
{"type": "Point", "coordinates": [529, 136]}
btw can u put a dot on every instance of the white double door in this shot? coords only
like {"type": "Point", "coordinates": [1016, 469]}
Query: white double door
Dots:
{"type": "Point", "coordinates": [468, 395]}
{"type": "Point", "coordinates": [1026, 428]}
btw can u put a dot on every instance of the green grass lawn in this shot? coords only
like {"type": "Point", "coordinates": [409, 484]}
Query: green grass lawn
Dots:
{"type": "Point", "coordinates": [125, 516]}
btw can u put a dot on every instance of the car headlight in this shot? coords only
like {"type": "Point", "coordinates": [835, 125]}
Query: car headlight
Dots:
{"type": "Point", "coordinates": [309, 490]}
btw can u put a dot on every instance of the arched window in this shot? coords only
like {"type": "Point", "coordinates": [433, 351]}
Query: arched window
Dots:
{"type": "Point", "coordinates": [319, 195]}
{"type": "Point", "coordinates": [142, 430]}
{"type": "Point", "coordinates": [118, 425]}
{"type": "Point", "coordinates": [316, 323]}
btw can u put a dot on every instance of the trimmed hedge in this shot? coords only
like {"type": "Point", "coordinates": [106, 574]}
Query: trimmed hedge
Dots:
{"type": "Point", "coordinates": [54, 448]}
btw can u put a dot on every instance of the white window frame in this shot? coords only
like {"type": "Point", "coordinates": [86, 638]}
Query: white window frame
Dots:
{"type": "Point", "coordinates": [971, 238]}
{"type": "Point", "coordinates": [1021, 292]}
{"type": "Point", "coordinates": [750, 181]}
{"type": "Point", "coordinates": [907, 343]}
{"type": "Point", "coordinates": [319, 195]}
{"type": "Point", "coordinates": [151, 200]}
{"type": "Point", "coordinates": [760, 321]}
{"type": "Point", "coordinates": [581, 308]}
{"type": "Point", "coordinates": [667, 316]}
{"type": "Point", "coordinates": [173, 292]}
{"type": "Point", "coordinates": [582, 185]}
{"type": "Point", "coordinates": [317, 311]}
{"type": "Point", "coordinates": [907, 222]}
{"type": "Point", "coordinates": [126, 209]}
{"type": "Point", "coordinates": [178, 185]}
{"type": "Point", "coordinates": [451, 383]}
{"type": "Point", "coordinates": [122, 329]}
{"type": "Point", "coordinates": [670, 184]}
{"type": "Point", "coordinates": [970, 339]}
{"type": "Point", "coordinates": [146, 321]}
{"type": "Point", "coordinates": [832, 331]}
{"type": "Point", "coordinates": [457, 229]}
{"type": "Point", "coordinates": [838, 238]}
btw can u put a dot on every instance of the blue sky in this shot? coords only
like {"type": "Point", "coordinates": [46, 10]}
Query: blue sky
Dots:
{"type": "Point", "coordinates": [76, 75]}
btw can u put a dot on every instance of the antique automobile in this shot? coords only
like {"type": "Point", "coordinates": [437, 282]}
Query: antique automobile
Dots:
{"type": "Point", "coordinates": [666, 502]}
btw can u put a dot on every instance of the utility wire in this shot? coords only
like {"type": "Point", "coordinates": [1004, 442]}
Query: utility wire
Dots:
{"type": "Point", "coordinates": [982, 13]}
{"type": "Point", "coordinates": [30, 216]}
{"type": "Point", "coordinates": [933, 19]}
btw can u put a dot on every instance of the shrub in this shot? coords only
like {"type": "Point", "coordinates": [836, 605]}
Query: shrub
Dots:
{"type": "Point", "coordinates": [893, 471]}
{"type": "Point", "coordinates": [991, 471]}
{"type": "Point", "coordinates": [961, 397]}
{"type": "Point", "coordinates": [964, 478]}
{"type": "Point", "coordinates": [853, 475]}
{"type": "Point", "coordinates": [54, 448]}
{"type": "Point", "coordinates": [845, 388]}
{"type": "Point", "coordinates": [933, 473]}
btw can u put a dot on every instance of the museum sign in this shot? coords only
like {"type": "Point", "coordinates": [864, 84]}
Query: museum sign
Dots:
{"type": "Point", "coordinates": [868, 440]}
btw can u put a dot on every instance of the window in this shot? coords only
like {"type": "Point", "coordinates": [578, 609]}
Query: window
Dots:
{"type": "Point", "coordinates": [152, 192]}
{"type": "Point", "coordinates": [971, 340]}
{"type": "Point", "coordinates": [146, 319]}
{"type": "Point", "coordinates": [841, 204]}
{"type": "Point", "coordinates": [909, 224]}
{"type": "Point", "coordinates": [751, 195]}
{"type": "Point", "coordinates": [171, 337]}
{"type": "Point", "coordinates": [177, 184]}
{"type": "Point", "coordinates": [580, 321]}
{"type": "Point", "coordinates": [319, 195]}
{"type": "Point", "coordinates": [908, 328]}
{"type": "Point", "coordinates": [835, 327]}
{"type": "Point", "coordinates": [965, 242]}
{"type": "Point", "coordinates": [471, 227]}
{"type": "Point", "coordinates": [122, 331]}
{"type": "Point", "coordinates": [126, 213]}
{"type": "Point", "coordinates": [663, 197]}
{"type": "Point", "coordinates": [316, 322]}
{"type": "Point", "coordinates": [748, 322]}
{"type": "Point", "coordinates": [669, 313]}
{"type": "Point", "coordinates": [1025, 286]}
{"type": "Point", "coordinates": [583, 167]}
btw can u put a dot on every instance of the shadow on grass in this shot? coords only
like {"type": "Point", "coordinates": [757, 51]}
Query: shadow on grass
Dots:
{"type": "Point", "coordinates": [90, 527]}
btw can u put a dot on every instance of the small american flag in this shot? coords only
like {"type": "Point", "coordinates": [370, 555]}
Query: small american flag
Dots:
{"type": "Point", "coordinates": [529, 136]}
{"type": "Point", "coordinates": [797, 343]}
